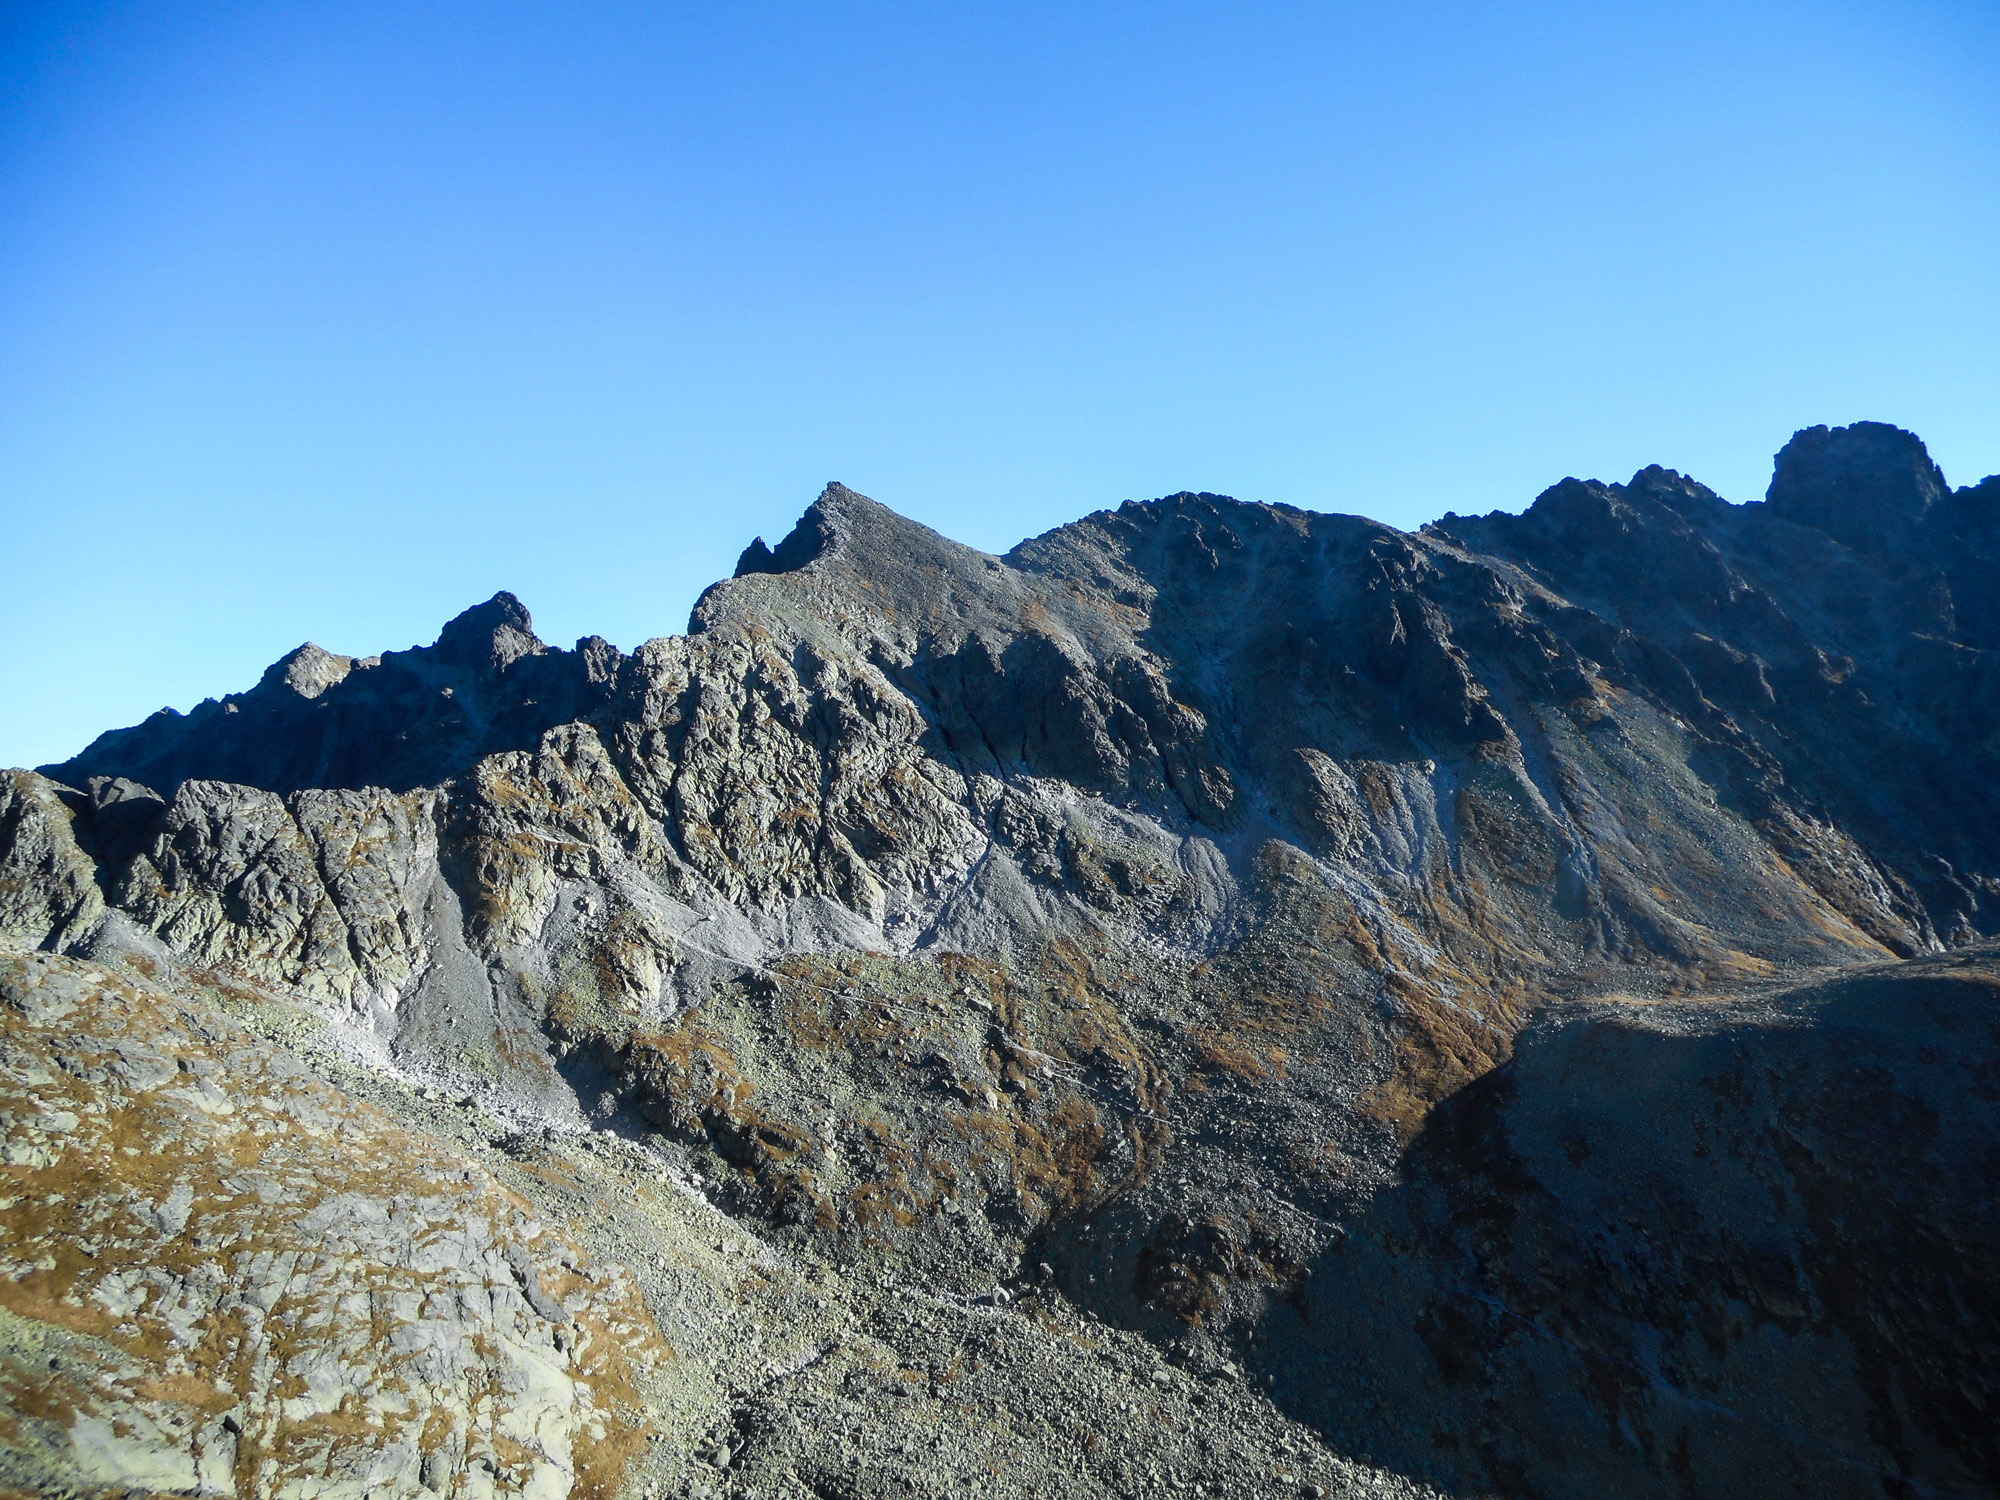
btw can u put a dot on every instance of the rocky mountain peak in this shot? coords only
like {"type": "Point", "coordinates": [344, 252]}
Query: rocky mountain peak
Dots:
{"type": "Point", "coordinates": [307, 670]}
{"type": "Point", "coordinates": [1585, 505]}
{"type": "Point", "coordinates": [401, 719]}
{"type": "Point", "coordinates": [1863, 485]}
{"type": "Point", "coordinates": [490, 636]}
{"type": "Point", "coordinates": [853, 559]}
{"type": "Point", "coordinates": [827, 519]}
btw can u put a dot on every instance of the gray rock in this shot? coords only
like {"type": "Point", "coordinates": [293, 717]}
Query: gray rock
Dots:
{"type": "Point", "coordinates": [48, 884]}
{"type": "Point", "coordinates": [1124, 907]}
{"type": "Point", "coordinates": [356, 1303]}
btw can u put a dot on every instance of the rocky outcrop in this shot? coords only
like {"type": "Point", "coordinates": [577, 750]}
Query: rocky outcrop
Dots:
{"type": "Point", "coordinates": [1107, 921]}
{"type": "Point", "coordinates": [1867, 486]}
{"type": "Point", "coordinates": [221, 1277]}
{"type": "Point", "coordinates": [48, 884]}
{"type": "Point", "coordinates": [321, 892]}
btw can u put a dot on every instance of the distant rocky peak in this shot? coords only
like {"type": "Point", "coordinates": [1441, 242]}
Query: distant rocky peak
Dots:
{"type": "Point", "coordinates": [1590, 508]}
{"type": "Point", "coordinates": [907, 579]}
{"type": "Point", "coordinates": [1862, 485]}
{"type": "Point", "coordinates": [815, 533]}
{"type": "Point", "coordinates": [1589, 515]}
{"type": "Point", "coordinates": [1572, 500]}
{"type": "Point", "coordinates": [490, 636]}
{"type": "Point", "coordinates": [1670, 486]}
{"type": "Point", "coordinates": [309, 670]}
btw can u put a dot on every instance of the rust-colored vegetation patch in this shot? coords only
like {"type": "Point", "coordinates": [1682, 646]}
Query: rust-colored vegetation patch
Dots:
{"type": "Point", "coordinates": [867, 1095]}
{"type": "Point", "coordinates": [1218, 1052]}
{"type": "Point", "coordinates": [1449, 992]}
{"type": "Point", "coordinates": [1437, 1047]}
{"type": "Point", "coordinates": [690, 1085]}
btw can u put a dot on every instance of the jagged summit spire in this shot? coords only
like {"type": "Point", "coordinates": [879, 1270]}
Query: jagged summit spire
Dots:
{"type": "Point", "coordinates": [492, 634]}
{"type": "Point", "coordinates": [809, 539]}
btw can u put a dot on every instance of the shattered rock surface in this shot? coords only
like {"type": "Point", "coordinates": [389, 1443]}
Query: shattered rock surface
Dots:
{"type": "Point", "coordinates": [221, 1276]}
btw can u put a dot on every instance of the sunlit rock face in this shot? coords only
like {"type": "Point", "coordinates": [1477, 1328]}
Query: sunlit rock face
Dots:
{"type": "Point", "coordinates": [1120, 942]}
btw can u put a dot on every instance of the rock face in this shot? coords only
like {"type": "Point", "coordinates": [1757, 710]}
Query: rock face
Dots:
{"type": "Point", "coordinates": [1867, 485]}
{"type": "Point", "coordinates": [1139, 924]}
{"type": "Point", "coordinates": [223, 1277]}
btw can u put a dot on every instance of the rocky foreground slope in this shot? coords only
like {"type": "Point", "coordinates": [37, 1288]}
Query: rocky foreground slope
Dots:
{"type": "Point", "coordinates": [1221, 999]}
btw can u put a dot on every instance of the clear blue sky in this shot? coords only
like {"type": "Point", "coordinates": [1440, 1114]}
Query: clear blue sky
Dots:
{"type": "Point", "coordinates": [326, 320]}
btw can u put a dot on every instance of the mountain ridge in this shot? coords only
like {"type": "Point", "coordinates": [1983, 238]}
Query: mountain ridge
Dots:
{"type": "Point", "coordinates": [1117, 923]}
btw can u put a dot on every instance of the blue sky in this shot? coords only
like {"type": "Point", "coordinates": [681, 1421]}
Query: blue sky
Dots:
{"type": "Point", "coordinates": [326, 320]}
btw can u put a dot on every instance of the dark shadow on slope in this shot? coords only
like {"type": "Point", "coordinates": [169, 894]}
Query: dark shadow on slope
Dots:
{"type": "Point", "coordinates": [1687, 1250]}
